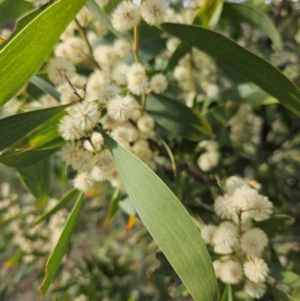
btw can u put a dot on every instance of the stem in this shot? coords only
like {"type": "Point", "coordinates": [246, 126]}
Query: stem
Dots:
{"type": "Point", "coordinates": [73, 88]}
{"type": "Point", "coordinates": [136, 40]}
{"type": "Point", "coordinates": [84, 36]}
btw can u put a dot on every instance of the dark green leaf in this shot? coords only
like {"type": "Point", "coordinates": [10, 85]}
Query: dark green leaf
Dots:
{"type": "Point", "coordinates": [37, 179]}
{"type": "Point", "coordinates": [45, 86]}
{"type": "Point", "coordinates": [240, 60]}
{"type": "Point", "coordinates": [61, 204]}
{"type": "Point", "coordinates": [278, 294]}
{"type": "Point", "coordinates": [227, 294]}
{"type": "Point", "coordinates": [60, 249]}
{"type": "Point", "coordinates": [284, 276]}
{"type": "Point", "coordinates": [177, 118]}
{"type": "Point", "coordinates": [12, 9]}
{"type": "Point", "coordinates": [219, 117]}
{"type": "Point", "coordinates": [239, 12]}
{"type": "Point", "coordinates": [206, 13]}
{"type": "Point", "coordinates": [168, 222]}
{"type": "Point", "coordinates": [19, 63]}
{"type": "Point", "coordinates": [13, 128]}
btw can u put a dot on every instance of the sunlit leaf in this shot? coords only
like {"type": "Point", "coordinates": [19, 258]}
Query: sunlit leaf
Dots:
{"type": "Point", "coordinates": [40, 36]}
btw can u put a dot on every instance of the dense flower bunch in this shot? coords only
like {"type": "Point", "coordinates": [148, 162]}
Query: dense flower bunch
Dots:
{"type": "Point", "coordinates": [240, 244]}
{"type": "Point", "coordinates": [106, 99]}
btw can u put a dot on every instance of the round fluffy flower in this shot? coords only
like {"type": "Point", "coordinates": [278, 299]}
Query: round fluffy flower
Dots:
{"type": "Point", "coordinates": [83, 181]}
{"type": "Point", "coordinates": [70, 151]}
{"type": "Point", "coordinates": [120, 135]}
{"type": "Point", "coordinates": [207, 233]}
{"type": "Point", "coordinates": [261, 208]}
{"type": "Point", "coordinates": [68, 130]}
{"type": "Point", "coordinates": [253, 241]}
{"type": "Point", "coordinates": [225, 237]}
{"type": "Point", "coordinates": [255, 290]}
{"type": "Point", "coordinates": [108, 92]}
{"type": "Point", "coordinates": [145, 124]}
{"type": "Point", "coordinates": [126, 16]}
{"type": "Point", "coordinates": [120, 74]}
{"type": "Point", "coordinates": [223, 207]}
{"type": "Point", "coordinates": [158, 83]}
{"type": "Point", "coordinates": [98, 174]}
{"type": "Point", "coordinates": [217, 267]}
{"type": "Point", "coordinates": [153, 11]}
{"type": "Point", "coordinates": [137, 79]}
{"type": "Point", "coordinates": [97, 141]}
{"type": "Point", "coordinates": [231, 272]}
{"type": "Point", "coordinates": [85, 115]}
{"type": "Point", "coordinates": [243, 198]}
{"type": "Point", "coordinates": [59, 70]}
{"type": "Point", "coordinates": [83, 161]}
{"type": "Point", "coordinates": [122, 47]}
{"type": "Point", "coordinates": [105, 161]}
{"type": "Point", "coordinates": [120, 108]}
{"type": "Point", "coordinates": [256, 270]}
{"type": "Point", "coordinates": [105, 56]}
{"type": "Point", "coordinates": [208, 160]}
{"type": "Point", "coordinates": [234, 182]}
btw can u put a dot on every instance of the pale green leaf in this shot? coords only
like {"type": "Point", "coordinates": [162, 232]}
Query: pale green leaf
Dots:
{"type": "Point", "coordinates": [101, 16]}
{"type": "Point", "coordinates": [227, 294]}
{"type": "Point", "coordinates": [19, 63]}
{"type": "Point", "coordinates": [61, 247]}
{"type": "Point", "coordinates": [240, 60]}
{"type": "Point", "coordinates": [168, 222]}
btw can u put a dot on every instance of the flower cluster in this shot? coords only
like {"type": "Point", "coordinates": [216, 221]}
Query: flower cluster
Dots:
{"type": "Point", "coordinates": [240, 244]}
{"type": "Point", "coordinates": [93, 107]}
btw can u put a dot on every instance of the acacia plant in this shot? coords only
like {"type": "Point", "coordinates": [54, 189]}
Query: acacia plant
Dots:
{"type": "Point", "coordinates": [181, 114]}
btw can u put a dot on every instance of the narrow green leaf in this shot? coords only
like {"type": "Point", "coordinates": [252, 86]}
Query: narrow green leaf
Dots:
{"type": "Point", "coordinates": [243, 93]}
{"type": "Point", "coordinates": [61, 204]}
{"type": "Point", "coordinates": [12, 9]}
{"type": "Point", "coordinates": [239, 12]}
{"type": "Point", "coordinates": [14, 127]}
{"type": "Point", "coordinates": [19, 63]}
{"type": "Point", "coordinates": [227, 294]}
{"type": "Point", "coordinates": [177, 118]}
{"type": "Point", "coordinates": [168, 222]}
{"type": "Point", "coordinates": [284, 276]}
{"type": "Point", "coordinates": [278, 294]}
{"type": "Point", "coordinates": [23, 22]}
{"type": "Point", "coordinates": [45, 86]}
{"type": "Point", "coordinates": [240, 60]}
{"type": "Point", "coordinates": [60, 249]}
{"type": "Point", "coordinates": [127, 207]}
{"type": "Point", "coordinates": [37, 179]}
{"type": "Point", "coordinates": [27, 157]}
{"type": "Point", "coordinates": [113, 207]}
{"type": "Point", "coordinates": [219, 117]}
{"type": "Point", "coordinates": [209, 11]}
{"type": "Point", "coordinates": [96, 10]}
